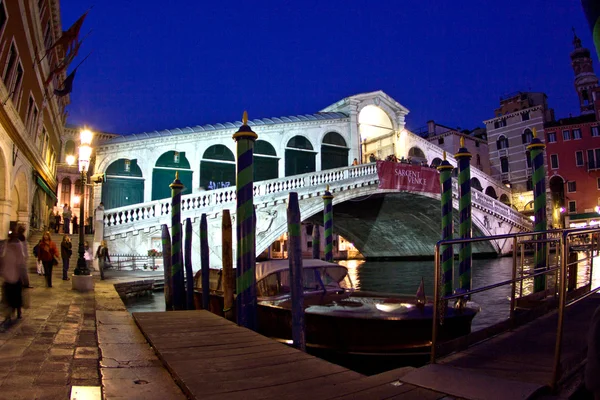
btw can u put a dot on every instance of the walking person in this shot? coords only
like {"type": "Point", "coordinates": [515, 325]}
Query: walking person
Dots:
{"type": "Point", "coordinates": [23, 243]}
{"type": "Point", "coordinates": [66, 249]}
{"type": "Point", "coordinates": [87, 255]}
{"type": "Point", "coordinates": [75, 226]}
{"type": "Point", "coordinates": [56, 222]}
{"type": "Point", "coordinates": [103, 257]}
{"type": "Point", "coordinates": [39, 265]}
{"type": "Point", "coordinates": [13, 263]}
{"type": "Point", "coordinates": [67, 218]}
{"type": "Point", "coordinates": [48, 254]}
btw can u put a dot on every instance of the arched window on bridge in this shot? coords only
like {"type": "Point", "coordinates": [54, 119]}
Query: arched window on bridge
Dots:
{"type": "Point", "coordinates": [217, 168]}
{"type": "Point", "coordinates": [416, 155]}
{"type": "Point", "coordinates": [124, 184]}
{"type": "Point", "coordinates": [502, 142]}
{"type": "Point", "coordinates": [527, 136]}
{"type": "Point", "coordinates": [65, 191]}
{"type": "Point", "coordinates": [490, 191]}
{"type": "Point", "coordinates": [436, 162]}
{"type": "Point", "coordinates": [69, 150]}
{"type": "Point", "coordinates": [334, 152]}
{"type": "Point", "coordinates": [504, 199]}
{"type": "Point", "coordinates": [266, 162]}
{"type": "Point", "coordinates": [164, 174]}
{"type": "Point", "coordinates": [299, 156]}
{"type": "Point", "coordinates": [475, 184]}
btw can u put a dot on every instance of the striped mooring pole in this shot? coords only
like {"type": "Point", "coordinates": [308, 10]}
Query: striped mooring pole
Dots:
{"type": "Point", "coordinates": [204, 262]}
{"type": "Point", "coordinates": [176, 258]}
{"type": "Point", "coordinates": [166, 251]}
{"type": "Point", "coordinates": [536, 149]}
{"type": "Point", "coordinates": [328, 224]}
{"type": "Point", "coordinates": [189, 272]}
{"type": "Point", "coordinates": [591, 8]}
{"type": "Point", "coordinates": [316, 242]}
{"type": "Point", "coordinates": [463, 158]}
{"type": "Point", "coordinates": [296, 274]}
{"type": "Point", "coordinates": [245, 226]}
{"type": "Point", "coordinates": [446, 251]}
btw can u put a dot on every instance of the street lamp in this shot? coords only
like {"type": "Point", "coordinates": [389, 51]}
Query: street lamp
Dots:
{"type": "Point", "coordinates": [85, 152]}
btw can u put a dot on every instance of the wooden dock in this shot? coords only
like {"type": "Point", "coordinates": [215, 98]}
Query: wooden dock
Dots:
{"type": "Point", "coordinates": [212, 358]}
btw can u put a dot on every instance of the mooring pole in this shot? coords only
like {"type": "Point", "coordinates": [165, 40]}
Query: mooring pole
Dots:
{"type": "Point", "coordinates": [189, 272]}
{"type": "Point", "coordinates": [536, 149]}
{"type": "Point", "coordinates": [316, 242]}
{"type": "Point", "coordinates": [245, 227]}
{"type": "Point", "coordinates": [176, 259]}
{"type": "Point", "coordinates": [166, 251]}
{"type": "Point", "coordinates": [463, 158]}
{"type": "Point", "coordinates": [227, 258]}
{"type": "Point", "coordinates": [296, 274]}
{"type": "Point", "coordinates": [447, 251]}
{"type": "Point", "coordinates": [328, 223]}
{"type": "Point", "coordinates": [204, 263]}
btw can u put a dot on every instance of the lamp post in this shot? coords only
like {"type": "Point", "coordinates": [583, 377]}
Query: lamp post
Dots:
{"type": "Point", "coordinates": [85, 152]}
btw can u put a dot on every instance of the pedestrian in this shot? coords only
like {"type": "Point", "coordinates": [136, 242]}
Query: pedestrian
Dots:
{"type": "Point", "coordinates": [56, 222]}
{"type": "Point", "coordinates": [39, 265]}
{"type": "Point", "coordinates": [67, 218]}
{"type": "Point", "coordinates": [87, 255]}
{"type": "Point", "coordinates": [592, 365]}
{"type": "Point", "coordinates": [48, 254]}
{"type": "Point", "coordinates": [372, 158]}
{"type": "Point", "coordinates": [66, 249]}
{"type": "Point", "coordinates": [75, 225]}
{"type": "Point", "coordinates": [103, 257]}
{"type": "Point", "coordinates": [13, 263]}
{"type": "Point", "coordinates": [355, 162]}
{"type": "Point", "coordinates": [23, 243]}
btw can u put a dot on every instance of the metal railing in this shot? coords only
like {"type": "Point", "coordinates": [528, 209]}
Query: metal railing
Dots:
{"type": "Point", "coordinates": [562, 241]}
{"type": "Point", "coordinates": [134, 261]}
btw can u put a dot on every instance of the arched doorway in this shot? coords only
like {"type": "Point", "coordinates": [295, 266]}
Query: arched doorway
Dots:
{"type": "Point", "coordinates": [416, 156]}
{"type": "Point", "coordinates": [557, 193]}
{"type": "Point", "coordinates": [475, 184]}
{"type": "Point", "coordinates": [299, 156]}
{"type": "Point", "coordinates": [436, 162]}
{"type": "Point", "coordinates": [217, 168]}
{"type": "Point", "coordinates": [69, 150]}
{"type": "Point", "coordinates": [266, 162]}
{"type": "Point", "coordinates": [163, 174]}
{"type": "Point", "coordinates": [334, 152]}
{"type": "Point", "coordinates": [504, 199]}
{"type": "Point", "coordinates": [490, 191]}
{"type": "Point", "coordinates": [124, 184]}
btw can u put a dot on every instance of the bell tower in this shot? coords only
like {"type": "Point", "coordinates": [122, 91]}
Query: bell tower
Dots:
{"type": "Point", "coordinates": [585, 78]}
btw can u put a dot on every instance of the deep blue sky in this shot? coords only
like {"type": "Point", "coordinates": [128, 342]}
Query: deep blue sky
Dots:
{"type": "Point", "coordinates": [168, 64]}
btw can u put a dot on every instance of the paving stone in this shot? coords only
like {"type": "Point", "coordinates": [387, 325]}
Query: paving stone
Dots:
{"type": "Point", "coordinates": [86, 382]}
{"type": "Point", "coordinates": [85, 373]}
{"type": "Point", "coordinates": [52, 378]}
{"type": "Point", "coordinates": [53, 393]}
{"type": "Point", "coordinates": [58, 352]}
{"type": "Point", "coordinates": [53, 366]}
{"type": "Point", "coordinates": [109, 334]}
{"type": "Point", "coordinates": [17, 393]}
{"type": "Point", "coordinates": [128, 352]}
{"type": "Point", "coordinates": [86, 352]}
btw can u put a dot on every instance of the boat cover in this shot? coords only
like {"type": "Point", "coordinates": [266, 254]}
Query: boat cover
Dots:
{"type": "Point", "coordinates": [268, 267]}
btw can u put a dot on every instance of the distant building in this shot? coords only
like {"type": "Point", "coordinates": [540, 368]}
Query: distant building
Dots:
{"type": "Point", "coordinates": [573, 150]}
{"type": "Point", "coordinates": [31, 116]}
{"type": "Point", "coordinates": [449, 139]}
{"type": "Point", "coordinates": [508, 135]}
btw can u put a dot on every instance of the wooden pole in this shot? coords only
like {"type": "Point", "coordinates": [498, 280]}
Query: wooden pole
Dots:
{"type": "Point", "coordinates": [296, 274]}
{"type": "Point", "coordinates": [176, 258]}
{"type": "Point", "coordinates": [204, 264]}
{"type": "Point", "coordinates": [189, 272]}
{"type": "Point", "coordinates": [227, 258]}
{"type": "Point", "coordinates": [446, 251]}
{"type": "Point", "coordinates": [328, 223]}
{"type": "Point", "coordinates": [166, 251]}
{"type": "Point", "coordinates": [465, 260]}
{"type": "Point", "coordinates": [316, 242]}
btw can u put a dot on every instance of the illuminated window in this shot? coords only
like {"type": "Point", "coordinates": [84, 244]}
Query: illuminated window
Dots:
{"type": "Point", "coordinates": [176, 157]}
{"type": "Point", "coordinates": [128, 165]}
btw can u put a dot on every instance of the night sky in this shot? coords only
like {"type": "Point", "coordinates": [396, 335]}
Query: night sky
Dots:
{"type": "Point", "coordinates": [168, 64]}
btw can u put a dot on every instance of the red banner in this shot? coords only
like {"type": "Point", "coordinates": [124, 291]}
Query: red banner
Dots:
{"type": "Point", "coordinates": [393, 175]}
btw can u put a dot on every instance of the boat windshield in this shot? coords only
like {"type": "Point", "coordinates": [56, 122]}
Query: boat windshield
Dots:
{"type": "Point", "coordinates": [322, 279]}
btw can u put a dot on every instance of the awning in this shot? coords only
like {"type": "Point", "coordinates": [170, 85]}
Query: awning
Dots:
{"type": "Point", "coordinates": [45, 188]}
{"type": "Point", "coordinates": [588, 215]}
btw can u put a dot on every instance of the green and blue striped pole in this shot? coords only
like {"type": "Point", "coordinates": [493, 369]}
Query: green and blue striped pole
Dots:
{"type": "Point", "coordinates": [591, 8]}
{"type": "Point", "coordinates": [328, 223]}
{"type": "Point", "coordinates": [189, 272]}
{"type": "Point", "coordinates": [316, 242]}
{"type": "Point", "coordinates": [463, 158]}
{"type": "Point", "coordinates": [536, 149]}
{"type": "Point", "coordinates": [166, 251]}
{"type": "Point", "coordinates": [245, 227]}
{"type": "Point", "coordinates": [446, 251]}
{"type": "Point", "coordinates": [296, 274]}
{"type": "Point", "coordinates": [176, 259]}
{"type": "Point", "coordinates": [204, 262]}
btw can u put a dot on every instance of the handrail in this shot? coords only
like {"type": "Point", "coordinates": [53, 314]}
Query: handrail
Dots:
{"type": "Point", "coordinates": [561, 237]}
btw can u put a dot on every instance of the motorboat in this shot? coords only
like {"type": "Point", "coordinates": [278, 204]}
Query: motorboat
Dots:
{"type": "Point", "coordinates": [339, 318]}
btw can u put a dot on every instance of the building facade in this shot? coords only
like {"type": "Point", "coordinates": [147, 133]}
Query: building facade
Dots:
{"type": "Point", "coordinates": [31, 117]}
{"type": "Point", "coordinates": [573, 151]}
{"type": "Point", "coordinates": [508, 135]}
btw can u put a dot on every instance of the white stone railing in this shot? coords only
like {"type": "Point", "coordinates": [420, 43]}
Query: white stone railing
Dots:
{"type": "Point", "coordinates": [123, 219]}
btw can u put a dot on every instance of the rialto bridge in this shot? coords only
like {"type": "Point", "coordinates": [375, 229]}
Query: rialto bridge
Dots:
{"type": "Point", "coordinates": [302, 153]}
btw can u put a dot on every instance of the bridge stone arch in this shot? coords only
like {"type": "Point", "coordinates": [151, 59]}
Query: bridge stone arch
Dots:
{"type": "Point", "coordinates": [375, 102]}
{"type": "Point", "coordinates": [300, 155]}
{"type": "Point", "coordinates": [334, 151]}
{"type": "Point", "coordinates": [124, 184]}
{"type": "Point", "coordinates": [164, 170]}
{"type": "Point", "coordinates": [217, 167]}
{"type": "Point", "coordinates": [266, 161]}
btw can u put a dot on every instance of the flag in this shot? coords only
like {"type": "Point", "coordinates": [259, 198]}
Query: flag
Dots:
{"type": "Point", "coordinates": [67, 85]}
{"type": "Point", "coordinates": [69, 36]}
{"type": "Point", "coordinates": [64, 64]}
{"type": "Point", "coordinates": [591, 8]}
{"type": "Point", "coordinates": [421, 299]}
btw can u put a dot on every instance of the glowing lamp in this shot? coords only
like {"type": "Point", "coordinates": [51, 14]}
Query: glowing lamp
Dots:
{"type": "Point", "coordinates": [70, 159]}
